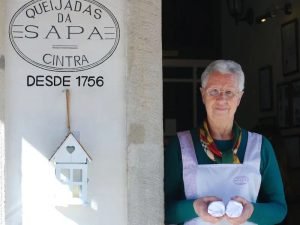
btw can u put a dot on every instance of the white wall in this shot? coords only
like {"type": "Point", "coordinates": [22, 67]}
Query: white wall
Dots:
{"type": "Point", "coordinates": [2, 153]}
{"type": "Point", "coordinates": [36, 126]}
{"type": "Point", "coordinates": [119, 125]}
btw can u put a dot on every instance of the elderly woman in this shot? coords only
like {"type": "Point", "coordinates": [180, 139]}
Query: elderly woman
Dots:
{"type": "Point", "coordinates": [221, 161]}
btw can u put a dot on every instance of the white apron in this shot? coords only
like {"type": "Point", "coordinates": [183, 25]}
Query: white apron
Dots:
{"type": "Point", "coordinates": [221, 180]}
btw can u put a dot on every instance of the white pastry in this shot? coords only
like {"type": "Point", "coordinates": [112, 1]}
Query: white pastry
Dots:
{"type": "Point", "coordinates": [216, 209]}
{"type": "Point", "coordinates": [234, 209]}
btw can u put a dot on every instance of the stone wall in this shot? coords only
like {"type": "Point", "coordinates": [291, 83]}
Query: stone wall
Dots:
{"type": "Point", "coordinates": [144, 114]}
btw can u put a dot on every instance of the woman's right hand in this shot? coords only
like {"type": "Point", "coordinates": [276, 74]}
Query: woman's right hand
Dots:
{"type": "Point", "coordinates": [201, 208]}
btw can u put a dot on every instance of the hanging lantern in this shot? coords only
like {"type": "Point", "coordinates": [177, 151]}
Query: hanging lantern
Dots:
{"type": "Point", "coordinates": [71, 164]}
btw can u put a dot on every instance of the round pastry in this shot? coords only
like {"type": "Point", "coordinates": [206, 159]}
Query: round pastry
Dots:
{"type": "Point", "coordinates": [234, 209]}
{"type": "Point", "coordinates": [216, 209]}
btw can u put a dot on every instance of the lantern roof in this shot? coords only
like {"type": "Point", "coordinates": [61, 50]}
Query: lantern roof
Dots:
{"type": "Point", "coordinates": [70, 151]}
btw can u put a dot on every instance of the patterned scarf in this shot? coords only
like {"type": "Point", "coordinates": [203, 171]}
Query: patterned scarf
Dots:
{"type": "Point", "coordinates": [210, 148]}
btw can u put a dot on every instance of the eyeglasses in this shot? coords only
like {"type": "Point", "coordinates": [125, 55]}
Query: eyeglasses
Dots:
{"type": "Point", "coordinates": [215, 92]}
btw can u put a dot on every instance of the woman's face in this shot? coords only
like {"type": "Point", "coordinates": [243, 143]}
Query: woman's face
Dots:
{"type": "Point", "coordinates": [221, 97]}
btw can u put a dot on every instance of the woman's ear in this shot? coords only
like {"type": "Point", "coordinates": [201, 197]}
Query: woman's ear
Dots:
{"type": "Point", "coordinates": [240, 97]}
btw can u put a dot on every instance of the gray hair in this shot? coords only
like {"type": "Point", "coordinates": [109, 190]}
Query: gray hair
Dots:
{"type": "Point", "coordinates": [225, 67]}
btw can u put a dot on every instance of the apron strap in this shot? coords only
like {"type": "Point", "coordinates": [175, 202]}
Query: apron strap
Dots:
{"type": "Point", "coordinates": [187, 149]}
{"type": "Point", "coordinates": [253, 149]}
{"type": "Point", "coordinates": [189, 164]}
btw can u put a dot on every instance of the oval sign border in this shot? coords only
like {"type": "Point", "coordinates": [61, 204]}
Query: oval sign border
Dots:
{"type": "Point", "coordinates": [55, 69]}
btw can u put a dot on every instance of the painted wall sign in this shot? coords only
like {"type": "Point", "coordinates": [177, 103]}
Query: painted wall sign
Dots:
{"type": "Point", "coordinates": [64, 35]}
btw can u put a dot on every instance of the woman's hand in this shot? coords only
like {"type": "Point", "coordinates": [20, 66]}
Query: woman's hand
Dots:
{"type": "Point", "coordinates": [246, 213]}
{"type": "Point", "coordinates": [201, 206]}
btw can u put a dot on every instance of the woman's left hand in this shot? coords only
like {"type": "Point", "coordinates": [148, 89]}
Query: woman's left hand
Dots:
{"type": "Point", "coordinates": [246, 213]}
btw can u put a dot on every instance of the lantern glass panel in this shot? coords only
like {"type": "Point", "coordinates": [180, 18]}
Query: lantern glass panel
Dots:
{"type": "Point", "coordinates": [65, 175]}
{"type": "Point", "coordinates": [77, 175]}
{"type": "Point", "coordinates": [76, 191]}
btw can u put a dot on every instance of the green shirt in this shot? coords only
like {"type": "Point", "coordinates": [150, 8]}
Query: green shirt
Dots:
{"type": "Point", "coordinates": [270, 207]}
